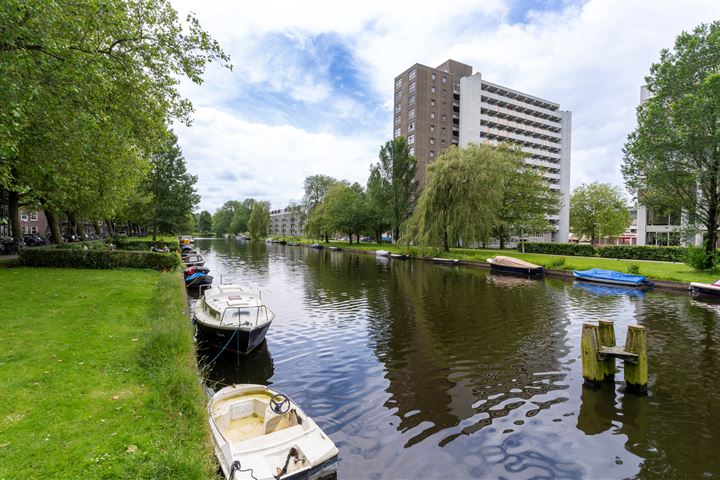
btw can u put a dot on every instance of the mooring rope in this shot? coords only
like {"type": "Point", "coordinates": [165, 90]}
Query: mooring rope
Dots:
{"type": "Point", "coordinates": [223, 349]}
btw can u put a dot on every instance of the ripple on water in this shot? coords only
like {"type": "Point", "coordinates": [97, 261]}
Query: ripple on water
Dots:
{"type": "Point", "coordinates": [421, 371]}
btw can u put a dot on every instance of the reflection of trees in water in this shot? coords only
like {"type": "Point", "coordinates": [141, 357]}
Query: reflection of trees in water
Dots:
{"type": "Point", "coordinates": [455, 345]}
{"type": "Point", "coordinates": [231, 258]}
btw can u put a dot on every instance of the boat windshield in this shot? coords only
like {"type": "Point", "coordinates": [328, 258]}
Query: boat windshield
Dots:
{"type": "Point", "coordinates": [246, 315]}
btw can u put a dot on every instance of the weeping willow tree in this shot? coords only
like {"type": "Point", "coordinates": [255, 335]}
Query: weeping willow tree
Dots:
{"type": "Point", "coordinates": [462, 198]}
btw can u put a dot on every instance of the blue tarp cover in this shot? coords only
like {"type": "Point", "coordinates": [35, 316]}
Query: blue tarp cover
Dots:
{"type": "Point", "coordinates": [610, 275]}
{"type": "Point", "coordinates": [192, 277]}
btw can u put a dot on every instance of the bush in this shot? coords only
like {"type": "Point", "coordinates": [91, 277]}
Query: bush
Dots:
{"type": "Point", "coordinates": [72, 258]}
{"type": "Point", "coordinates": [139, 245]}
{"type": "Point", "coordinates": [633, 269]}
{"type": "Point", "coordinates": [644, 252]}
{"type": "Point", "coordinates": [574, 249]}
{"type": "Point", "coordinates": [89, 245]}
{"type": "Point", "coordinates": [696, 258]}
{"type": "Point", "coordinates": [558, 263]}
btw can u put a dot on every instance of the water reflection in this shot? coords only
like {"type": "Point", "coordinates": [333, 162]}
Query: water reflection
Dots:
{"type": "Point", "coordinates": [422, 371]}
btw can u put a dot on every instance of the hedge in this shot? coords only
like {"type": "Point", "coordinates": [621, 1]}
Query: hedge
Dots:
{"type": "Point", "coordinates": [131, 244]}
{"type": "Point", "coordinates": [53, 257]}
{"type": "Point", "coordinates": [644, 252]}
{"type": "Point", "coordinates": [574, 249]}
{"type": "Point", "coordinates": [630, 252]}
{"type": "Point", "coordinates": [87, 245]}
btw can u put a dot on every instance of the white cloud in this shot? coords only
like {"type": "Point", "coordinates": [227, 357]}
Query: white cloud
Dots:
{"type": "Point", "coordinates": [590, 58]}
{"type": "Point", "coordinates": [235, 159]}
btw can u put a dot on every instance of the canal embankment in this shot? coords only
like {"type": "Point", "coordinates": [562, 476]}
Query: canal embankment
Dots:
{"type": "Point", "coordinates": [99, 377]}
{"type": "Point", "coordinates": [667, 275]}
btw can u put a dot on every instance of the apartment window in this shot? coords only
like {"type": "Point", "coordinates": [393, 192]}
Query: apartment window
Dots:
{"type": "Point", "coordinates": [397, 132]}
{"type": "Point", "coordinates": [442, 131]}
{"type": "Point", "coordinates": [411, 113]}
{"type": "Point", "coordinates": [398, 108]}
{"type": "Point", "coordinates": [412, 74]}
{"type": "Point", "coordinates": [33, 229]}
{"type": "Point", "coordinates": [432, 141]}
{"type": "Point", "coordinates": [26, 230]}
{"type": "Point", "coordinates": [411, 139]}
{"type": "Point", "coordinates": [444, 104]}
{"type": "Point", "coordinates": [412, 150]}
{"type": "Point", "coordinates": [34, 216]}
{"type": "Point", "coordinates": [442, 142]}
{"type": "Point", "coordinates": [398, 83]}
{"type": "Point", "coordinates": [432, 153]}
{"type": "Point", "coordinates": [432, 102]}
{"type": "Point", "coordinates": [444, 93]}
{"type": "Point", "coordinates": [411, 100]}
{"type": "Point", "coordinates": [432, 128]}
{"type": "Point", "coordinates": [432, 89]}
{"type": "Point", "coordinates": [444, 118]}
{"type": "Point", "coordinates": [444, 79]}
{"type": "Point", "coordinates": [411, 87]}
{"type": "Point", "coordinates": [432, 114]}
{"type": "Point", "coordinates": [24, 217]}
{"type": "Point", "coordinates": [397, 97]}
{"type": "Point", "coordinates": [411, 127]}
{"type": "Point", "coordinates": [433, 77]}
{"type": "Point", "coordinates": [397, 120]}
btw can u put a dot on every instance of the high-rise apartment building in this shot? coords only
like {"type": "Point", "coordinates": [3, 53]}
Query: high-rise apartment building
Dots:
{"type": "Point", "coordinates": [448, 105]}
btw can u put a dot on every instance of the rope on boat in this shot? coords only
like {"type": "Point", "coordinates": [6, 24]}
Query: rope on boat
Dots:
{"type": "Point", "coordinates": [291, 453]}
{"type": "Point", "coordinates": [223, 349]}
{"type": "Point", "coordinates": [236, 467]}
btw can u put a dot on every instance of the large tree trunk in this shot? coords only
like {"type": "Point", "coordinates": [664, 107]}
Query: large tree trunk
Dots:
{"type": "Point", "coordinates": [502, 242]}
{"type": "Point", "coordinates": [72, 225]}
{"type": "Point", "coordinates": [96, 226]}
{"type": "Point", "coordinates": [712, 226]}
{"type": "Point", "coordinates": [55, 233]}
{"type": "Point", "coordinates": [446, 244]}
{"type": "Point", "coordinates": [14, 212]}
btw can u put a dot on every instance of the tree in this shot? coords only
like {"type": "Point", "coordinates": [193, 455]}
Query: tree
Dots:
{"type": "Point", "coordinates": [527, 199]}
{"type": "Point", "coordinates": [259, 220]}
{"type": "Point", "coordinates": [317, 225]}
{"type": "Point", "coordinates": [672, 159]}
{"type": "Point", "coordinates": [396, 170]}
{"type": "Point", "coordinates": [461, 199]}
{"type": "Point", "coordinates": [598, 209]}
{"type": "Point", "coordinates": [204, 222]}
{"type": "Point", "coordinates": [378, 206]}
{"type": "Point", "coordinates": [223, 216]}
{"type": "Point", "coordinates": [87, 91]}
{"type": "Point", "coordinates": [171, 190]}
{"type": "Point", "coordinates": [316, 187]}
{"type": "Point", "coordinates": [346, 209]}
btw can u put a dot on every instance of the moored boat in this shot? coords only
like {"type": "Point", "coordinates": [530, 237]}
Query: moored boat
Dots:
{"type": "Point", "coordinates": [262, 434]}
{"type": "Point", "coordinates": [335, 249]}
{"type": "Point", "coordinates": [399, 256]}
{"type": "Point", "coordinates": [193, 259]}
{"type": "Point", "coordinates": [706, 288]}
{"type": "Point", "coordinates": [600, 275]}
{"type": "Point", "coordinates": [316, 246]}
{"type": "Point", "coordinates": [447, 261]}
{"type": "Point", "coordinates": [232, 317]}
{"type": "Point", "coordinates": [198, 279]}
{"type": "Point", "coordinates": [186, 240]}
{"type": "Point", "coordinates": [504, 264]}
{"type": "Point", "coordinates": [382, 253]}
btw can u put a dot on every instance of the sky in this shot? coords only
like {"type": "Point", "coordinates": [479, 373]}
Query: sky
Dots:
{"type": "Point", "coordinates": [311, 89]}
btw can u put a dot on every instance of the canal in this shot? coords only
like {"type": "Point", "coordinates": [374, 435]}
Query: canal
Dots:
{"type": "Point", "coordinates": [424, 371]}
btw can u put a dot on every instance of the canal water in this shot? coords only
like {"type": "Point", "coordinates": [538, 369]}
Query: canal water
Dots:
{"type": "Point", "coordinates": [424, 371]}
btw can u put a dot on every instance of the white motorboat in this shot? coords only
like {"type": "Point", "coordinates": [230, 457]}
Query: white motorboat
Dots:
{"type": "Point", "coordinates": [382, 253]}
{"type": "Point", "coordinates": [232, 317]}
{"type": "Point", "coordinates": [514, 265]}
{"type": "Point", "coordinates": [261, 434]}
{"type": "Point", "coordinates": [193, 259]}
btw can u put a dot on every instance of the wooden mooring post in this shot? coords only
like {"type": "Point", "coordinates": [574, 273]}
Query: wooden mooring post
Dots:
{"type": "Point", "coordinates": [599, 353]}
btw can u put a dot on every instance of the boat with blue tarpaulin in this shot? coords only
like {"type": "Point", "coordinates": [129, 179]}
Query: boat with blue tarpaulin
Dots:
{"type": "Point", "coordinates": [600, 275]}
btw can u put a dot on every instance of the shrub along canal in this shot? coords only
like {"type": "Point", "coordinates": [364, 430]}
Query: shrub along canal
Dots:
{"type": "Point", "coordinates": [423, 371]}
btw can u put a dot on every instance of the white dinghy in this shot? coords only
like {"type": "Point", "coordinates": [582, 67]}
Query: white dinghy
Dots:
{"type": "Point", "coordinates": [262, 434]}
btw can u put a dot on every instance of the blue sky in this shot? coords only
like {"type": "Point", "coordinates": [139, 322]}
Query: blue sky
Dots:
{"type": "Point", "coordinates": [311, 88]}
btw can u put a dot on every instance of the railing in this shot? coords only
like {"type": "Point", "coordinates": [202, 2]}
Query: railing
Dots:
{"type": "Point", "coordinates": [245, 310]}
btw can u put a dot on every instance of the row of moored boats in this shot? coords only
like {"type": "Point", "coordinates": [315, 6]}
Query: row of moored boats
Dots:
{"type": "Point", "coordinates": [258, 433]}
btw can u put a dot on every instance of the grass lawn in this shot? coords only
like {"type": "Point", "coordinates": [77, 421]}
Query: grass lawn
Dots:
{"type": "Point", "coordinates": [98, 377]}
{"type": "Point", "coordinates": [678, 272]}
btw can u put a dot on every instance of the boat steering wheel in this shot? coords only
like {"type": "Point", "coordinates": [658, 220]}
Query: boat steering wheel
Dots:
{"type": "Point", "coordinates": [280, 404]}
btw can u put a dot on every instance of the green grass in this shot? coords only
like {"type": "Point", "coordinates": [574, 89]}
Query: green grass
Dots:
{"type": "Point", "coordinates": [677, 272]}
{"type": "Point", "coordinates": [98, 377]}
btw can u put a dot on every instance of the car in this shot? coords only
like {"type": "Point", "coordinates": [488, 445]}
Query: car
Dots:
{"type": "Point", "coordinates": [34, 240]}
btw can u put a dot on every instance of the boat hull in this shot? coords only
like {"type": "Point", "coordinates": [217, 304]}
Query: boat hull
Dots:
{"type": "Point", "coordinates": [244, 341]}
{"type": "Point", "coordinates": [705, 289]}
{"type": "Point", "coordinates": [613, 278]}
{"type": "Point", "coordinates": [517, 270]}
{"type": "Point", "coordinates": [199, 281]}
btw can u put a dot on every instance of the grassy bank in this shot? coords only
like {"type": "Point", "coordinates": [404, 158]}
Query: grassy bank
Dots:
{"type": "Point", "coordinates": [678, 272]}
{"type": "Point", "coordinates": [98, 377]}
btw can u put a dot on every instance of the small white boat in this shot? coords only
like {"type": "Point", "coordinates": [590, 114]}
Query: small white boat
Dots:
{"type": "Point", "coordinates": [261, 434]}
{"type": "Point", "coordinates": [399, 256]}
{"type": "Point", "coordinates": [382, 253]}
{"type": "Point", "coordinates": [514, 265]}
{"type": "Point", "coordinates": [705, 288]}
{"type": "Point", "coordinates": [193, 259]}
{"type": "Point", "coordinates": [232, 317]}
{"type": "Point", "coordinates": [447, 261]}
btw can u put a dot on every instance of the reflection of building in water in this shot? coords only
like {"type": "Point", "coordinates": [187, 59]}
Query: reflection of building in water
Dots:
{"type": "Point", "coordinates": [455, 345]}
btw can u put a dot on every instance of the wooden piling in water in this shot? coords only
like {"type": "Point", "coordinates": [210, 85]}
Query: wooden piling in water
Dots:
{"type": "Point", "coordinates": [590, 345]}
{"type": "Point", "coordinates": [636, 373]}
{"type": "Point", "coordinates": [606, 337]}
